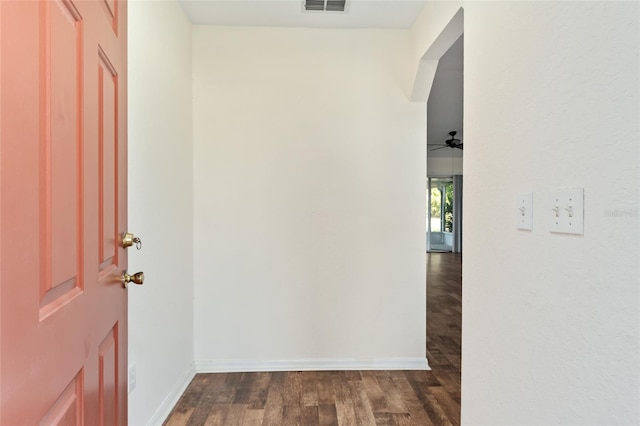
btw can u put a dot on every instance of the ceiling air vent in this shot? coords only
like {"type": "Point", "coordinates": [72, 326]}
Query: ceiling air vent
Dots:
{"type": "Point", "coordinates": [325, 5]}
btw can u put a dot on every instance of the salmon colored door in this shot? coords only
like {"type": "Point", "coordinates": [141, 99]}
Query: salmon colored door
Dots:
{"type": "Point", "coordinates": [63, 121]}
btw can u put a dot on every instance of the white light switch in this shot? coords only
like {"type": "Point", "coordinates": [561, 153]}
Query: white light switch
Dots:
{"type": "Point", "coordinates": [566, 211]}
{"type": "Point", "coordinates": [525, 212]}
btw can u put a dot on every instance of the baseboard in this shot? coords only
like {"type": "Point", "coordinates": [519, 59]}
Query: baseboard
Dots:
{"type": "Point", "coordinates": [170, 401]}
{"type": "Point", "coordinates": [323, 364]}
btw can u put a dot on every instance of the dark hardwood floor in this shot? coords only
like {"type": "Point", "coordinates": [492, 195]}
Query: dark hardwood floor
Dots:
{"type": "Point", "coordinates": [347, 397]}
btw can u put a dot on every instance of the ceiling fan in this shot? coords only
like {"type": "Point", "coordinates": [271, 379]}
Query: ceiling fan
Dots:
{"type": "Point", "coordinates": [449, 143]}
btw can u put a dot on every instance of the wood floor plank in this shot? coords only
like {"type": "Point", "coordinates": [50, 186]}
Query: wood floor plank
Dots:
{"type": "Point", "coordinates": [393, 398]}
{"type": "Point", "coordinates": [392, 419]}
{"type": "Point", "coordinates": [325, 391]}
{"type": "Point", "coordinates": [179, 418]}
{"type": "Point", "coordinates": [327, 414]}
{"type": "Point", "coordinates": [352, 375]}
{"type": "Point", "coordinates": [448, 405]}
{"type": "Point", "coordinates": [235, 414]}
{"type": "Point", "coordinates": [310, 415]}
{"type": "Point", "coordinates": [449, 383]}
{"type": "Point", "coordinates": [345, 412]}
{"type": "Point", "coordinates": [252, 390]}
{"type": "Point", "coordinates": [309, 390]}
{"type": "Point", "coordinates": [216, 416]}
{"type": "Point", "coordinates": [292, 399]}
{"type": "Point", "coordinates": [273, 410]}
{"type": "Point", "coordinates": [413, 403]}
{"type": "Point", "coordinates": [253, 417]}
{"type": "Point", "coordinates": [361, 404]}
{"type": "Point", "coordinates": [377, 398]}
{"type": "Point", "coordinates": [435, 411]}
{"type": "Point", "coordinates": [202, 411]}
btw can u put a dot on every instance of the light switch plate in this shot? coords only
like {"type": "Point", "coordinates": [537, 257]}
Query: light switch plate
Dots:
{"type": "Point", "coordinates": [566, 211]}
{"type": "Point", "coordinates": [525, 212]}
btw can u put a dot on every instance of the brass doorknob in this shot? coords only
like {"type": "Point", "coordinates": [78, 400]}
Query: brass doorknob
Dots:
{"type": "Point", "coordinates": [128, 239]}
{"type": "Point", "coordinates": [137, 278]}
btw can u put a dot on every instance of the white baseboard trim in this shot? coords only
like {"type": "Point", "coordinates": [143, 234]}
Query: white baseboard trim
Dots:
{"type": "Point", "coordinates": [170, 401]}
{"type": "Point", "coordinates": [323, 364]}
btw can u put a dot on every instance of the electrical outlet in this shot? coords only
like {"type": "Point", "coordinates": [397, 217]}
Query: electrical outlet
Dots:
{"type": "Point", "coordinates": [525, 212]}
{"type": "Point", "coordinates": [567, 211]}
{"type": "Point", "coordinates": [132, 377]}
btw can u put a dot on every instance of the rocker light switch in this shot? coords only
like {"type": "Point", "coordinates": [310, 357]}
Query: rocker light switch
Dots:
{"type": "Point", "coordinates": [567, 211]}
{"type": "Point", "coordinates": [525, 212]}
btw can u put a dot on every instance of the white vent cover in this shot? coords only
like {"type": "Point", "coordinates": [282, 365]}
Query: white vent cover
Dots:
{"type": "Point", "coordinates": [325, 5]}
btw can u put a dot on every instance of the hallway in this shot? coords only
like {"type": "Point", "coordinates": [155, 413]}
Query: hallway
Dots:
{"type": "Point", "coordinates": [444, 320]}
{"type": "Point", "coordinates": [347, 397]}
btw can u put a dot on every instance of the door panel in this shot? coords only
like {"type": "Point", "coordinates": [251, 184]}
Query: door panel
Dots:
{"type": "Point", "coordinates": [108, 169]}
{"type": "Point", "coordinates": [60, 146]}
{"type": "Point", "coordinates": [111, 7]}
{"type": "Point", "coordinates": [62, 208]}
{"type": "Point", "coordinates": [61, 140]}
{"type": "Point", "coordinates": [68, 408]}
{"type": "Point", "coordinates": [108, 379]}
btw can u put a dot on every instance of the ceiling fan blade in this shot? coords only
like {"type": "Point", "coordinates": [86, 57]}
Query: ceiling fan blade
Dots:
{"type": "Point", "coordinates": [435, 149]}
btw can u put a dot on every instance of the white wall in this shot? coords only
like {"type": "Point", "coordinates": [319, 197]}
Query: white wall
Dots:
{"type": "Point", "coordinates": [160, 206]}
{"type": "Point", "coordinates": [550, 322]}
{"type": "Point", "coordinates": [444, 166]}
{"type": "Point", "coordinates": [309, 166]}
{"type": "Point", "coordinates": [445, 113]}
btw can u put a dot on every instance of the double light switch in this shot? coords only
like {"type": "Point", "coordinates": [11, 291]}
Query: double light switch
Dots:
{"type": "Point", "coordinates": [567, 211]}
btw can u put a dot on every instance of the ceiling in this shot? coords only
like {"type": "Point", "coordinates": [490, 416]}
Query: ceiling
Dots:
{"type": "Point", "coordinates": [444, 108]}
{"type": "Point", "coordinates": [291, 13]}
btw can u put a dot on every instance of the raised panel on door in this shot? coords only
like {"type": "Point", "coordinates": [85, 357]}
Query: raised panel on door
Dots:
{"type": "Point", "coordinates": [61, 170]}
{"type": "Point", "coordinates": [111, 9]}
{"type": "Point", "coordinates": [68, 409]}
{"type": "Point", "coordinates": [107, 162]}
{"type": "Point", "coordinates": [108, 378]}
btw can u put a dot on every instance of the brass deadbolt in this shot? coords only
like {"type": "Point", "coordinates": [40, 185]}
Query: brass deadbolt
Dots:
{"type": "Point", "coordinates": [128, 239]}
{"type": "Point", "coordinates": [137, 278]}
